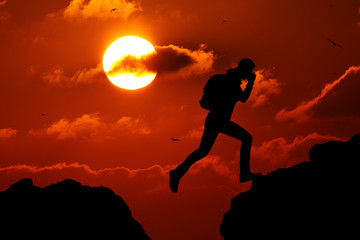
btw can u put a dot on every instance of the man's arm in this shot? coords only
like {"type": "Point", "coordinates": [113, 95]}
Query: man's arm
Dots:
{"type": "Point", "coordinates": [244, 95]}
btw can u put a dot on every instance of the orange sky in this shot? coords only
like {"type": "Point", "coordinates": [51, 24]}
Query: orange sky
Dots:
{"type": "Point", "coordinates": [62, 118]}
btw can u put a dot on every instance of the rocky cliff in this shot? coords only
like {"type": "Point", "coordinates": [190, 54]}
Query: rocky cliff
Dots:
{"type": "Point", "coordinates": [66, 210]}
{"type": "Point", "coordinates": [315, 199]}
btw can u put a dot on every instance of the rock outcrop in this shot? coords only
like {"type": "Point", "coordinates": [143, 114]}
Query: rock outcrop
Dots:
{"type": "Point", "coordinates": [316, 199]}
{"type": "Point", "coordinates": [66, 210]}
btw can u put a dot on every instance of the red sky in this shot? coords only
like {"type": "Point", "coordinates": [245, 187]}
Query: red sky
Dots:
{"type": "Point", "coordinates": [62, 118]}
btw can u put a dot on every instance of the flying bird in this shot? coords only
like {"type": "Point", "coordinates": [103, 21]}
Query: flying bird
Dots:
{"type": "Point", "coordinates": [334, 43]}
{"type": "Point", "coordinates": [224, 21]}
{"type": "Point", "coordinates": [44, 114]}
{"type": "Point", "coordinates": [175, 139]}
{"type": "Point", "coordinates": [113, 10]}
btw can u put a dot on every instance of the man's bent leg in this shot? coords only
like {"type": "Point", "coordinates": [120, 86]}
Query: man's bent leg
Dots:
{"type": "Point", "coordinates": [245, 156]}
{"type": "Point", "coordinates": [233, 130]}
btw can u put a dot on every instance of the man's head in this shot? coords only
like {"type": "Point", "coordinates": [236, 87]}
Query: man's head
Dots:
{"type": "Point", "coordinates": [246, 65]}
{"type": "Point", "coordinates": [244, 68]}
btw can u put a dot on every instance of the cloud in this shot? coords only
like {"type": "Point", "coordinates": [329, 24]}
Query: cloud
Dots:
{"type": "Point", "coordinates": [57, 76]}
{"type": "Point", "coordinates": [153, 178]}
{"type": "Point", "coordinates": [132, 125]}
{"type": "Point", "coordinates": [147, 177]}
{"type": "Point", "coordinates": [195, 133]}
{"type": "Point", "coordinates": [86, 168]}
{"type": "Point", "coordinates": [7, 133]}
{"type": "Point", "coordinates": [86, 125]}
{"type": "Point", "coordinates": [125, 178]}
{"type": "Point", "coordinates": [264, 87]}
{"type": "Point", "coordinates": [303, 111]}
{"type": "Point", "coordinates": [99, 9]}
{"type": "Point", "coordinates": [169, 60]}
{"type": "Point", "coordinates": [183, 62]}
{"type": "Point", "coordinates": [2, 3]}
{"type": "Point", "coordinates": [91, 126]}
{"type": "Point", "coordinates": [217, 164]}
{"type": "Point", "coordinates": [279, 152]}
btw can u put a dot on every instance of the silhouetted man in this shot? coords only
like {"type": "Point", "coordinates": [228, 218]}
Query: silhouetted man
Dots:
{"type": "Point", "coordinates": [221, 93]}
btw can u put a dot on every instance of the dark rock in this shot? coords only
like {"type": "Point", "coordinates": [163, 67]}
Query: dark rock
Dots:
{"type": "Point", "coordinates": [66, 209]}
{"type": "Point", "coordinates": [316, 199]}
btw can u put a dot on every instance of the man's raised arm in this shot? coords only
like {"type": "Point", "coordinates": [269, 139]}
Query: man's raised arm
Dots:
{"type": "Point", "coordinates": [244, 95]}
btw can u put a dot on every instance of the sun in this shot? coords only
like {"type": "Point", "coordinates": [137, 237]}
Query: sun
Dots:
{"type": "Point", "coordinates": [124, 64]}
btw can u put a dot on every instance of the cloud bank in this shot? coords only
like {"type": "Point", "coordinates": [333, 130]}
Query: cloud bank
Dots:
{"type": "Point", "coordinates": [211, 161]}
{"type": "Point", "coordinates": [279, 152]}
{"type": "Point", "coordinates": [91, 126]}
{"type": "Point", "coordinates": [302, 112]}
{"type": "Point", "coordinates": [84, 167]}
{"type": "Point", "coordinates": [151, 178]}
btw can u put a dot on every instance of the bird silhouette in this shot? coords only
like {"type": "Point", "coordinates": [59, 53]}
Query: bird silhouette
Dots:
{"type": "Point", "coordinates": [334, 43]}
{"type": "Point", "coordinates": [112, 10]}
{"type": "Point", "coordinates": [44, 114]}
{"type": "Point", "coordinates": [224, 21]}
{"type": "Point", "coordinates": [175, 139]}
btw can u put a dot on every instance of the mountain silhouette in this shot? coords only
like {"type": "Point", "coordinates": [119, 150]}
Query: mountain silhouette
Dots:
{"type": "Point", "coordinates": [66, 210]}
{"type": "Point", "coordinates": [316, 199]}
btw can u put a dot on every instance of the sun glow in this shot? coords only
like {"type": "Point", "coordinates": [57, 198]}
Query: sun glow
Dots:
{"type": "Point", "coordinates": [123, 63]}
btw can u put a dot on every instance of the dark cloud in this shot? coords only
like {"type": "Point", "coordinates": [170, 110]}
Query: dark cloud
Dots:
{"type": "Point", "coordinates": [167, 60]}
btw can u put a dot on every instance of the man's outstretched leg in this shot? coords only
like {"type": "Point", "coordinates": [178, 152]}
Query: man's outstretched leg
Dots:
{"type": "Point", "coordinates": [207, 141]}
{"type": "Point", "coordinates": [176, 174]}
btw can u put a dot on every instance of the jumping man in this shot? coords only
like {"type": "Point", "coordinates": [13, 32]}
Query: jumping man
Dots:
{"type": "Point", "coordinates": [221, 93]}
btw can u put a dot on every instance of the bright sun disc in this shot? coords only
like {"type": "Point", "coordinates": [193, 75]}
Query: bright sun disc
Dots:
{"type": "Point", "coordinates": [123, 63]}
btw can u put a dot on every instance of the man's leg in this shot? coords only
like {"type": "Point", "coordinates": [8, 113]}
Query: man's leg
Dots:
{"type": "Point", "coordinates": [207, 141]}
{"type": "Point", "coordinates": [233, 130]}
{"type": "Point", "coordinates": [211, 131]}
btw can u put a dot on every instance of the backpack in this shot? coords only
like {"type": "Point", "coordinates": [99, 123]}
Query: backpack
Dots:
{"type": "Point", "coordinates": [210, 96]}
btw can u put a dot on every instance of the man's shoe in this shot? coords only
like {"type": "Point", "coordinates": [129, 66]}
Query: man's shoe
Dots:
{"type": "Point", "coordinates": [174, 181]}
{"type": "Point", "coordinates": [245, 177]}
